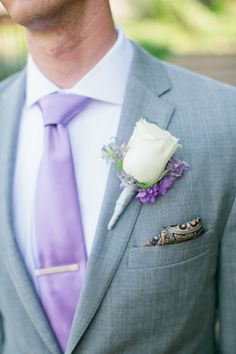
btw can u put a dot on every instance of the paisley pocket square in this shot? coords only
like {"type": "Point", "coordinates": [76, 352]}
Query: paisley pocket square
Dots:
{"type": "Point", "coordinates": [177, 233]}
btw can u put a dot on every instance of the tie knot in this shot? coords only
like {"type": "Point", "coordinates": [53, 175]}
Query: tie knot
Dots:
{"type": "Point", "coordinates": [60, 108]}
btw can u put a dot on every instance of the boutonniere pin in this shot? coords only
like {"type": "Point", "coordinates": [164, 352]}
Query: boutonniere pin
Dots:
{"type": "Point", "coordinates": [146, 166]}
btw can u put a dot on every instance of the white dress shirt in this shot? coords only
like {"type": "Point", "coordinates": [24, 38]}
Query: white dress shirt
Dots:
{"type": "Point", "coordinates": [88, 132]}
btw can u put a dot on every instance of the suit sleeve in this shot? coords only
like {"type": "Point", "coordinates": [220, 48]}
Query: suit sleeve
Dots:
{"type": "Point", "coordinates": [227, 286]}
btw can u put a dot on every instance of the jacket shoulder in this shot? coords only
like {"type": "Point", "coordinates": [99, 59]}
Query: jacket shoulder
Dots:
{"type": "Point", "coordinates": [200, 87]}
{"type": "Point", "coordinates": [184, 83]}
{"type": "Point", "coordinates": [6, 83]}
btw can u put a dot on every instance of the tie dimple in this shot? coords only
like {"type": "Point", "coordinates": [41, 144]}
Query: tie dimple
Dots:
{"type": "Point", "coordinates": [60, 108]}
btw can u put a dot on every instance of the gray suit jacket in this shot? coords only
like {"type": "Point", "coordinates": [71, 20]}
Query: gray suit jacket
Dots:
{"type": "Point", "coordinates": [159, 300]}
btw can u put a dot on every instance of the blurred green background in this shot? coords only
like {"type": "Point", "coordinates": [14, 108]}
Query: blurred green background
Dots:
{"type": "Point", "coordinates": [197, 34]}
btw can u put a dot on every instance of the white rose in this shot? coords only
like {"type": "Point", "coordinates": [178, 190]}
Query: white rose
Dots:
{"type": "Point", "coordinates": [149, 150]}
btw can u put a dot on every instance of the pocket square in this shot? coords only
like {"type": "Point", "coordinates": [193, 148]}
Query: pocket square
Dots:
{"type": "Point", "coordinates": [177, 233]}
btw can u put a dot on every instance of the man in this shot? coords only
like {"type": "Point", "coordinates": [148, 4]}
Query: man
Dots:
{"type": "Point", "coordinates": [67, 284]}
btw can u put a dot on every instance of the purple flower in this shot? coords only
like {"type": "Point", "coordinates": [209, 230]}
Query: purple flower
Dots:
{"type": "Point", "coordinates": [114, 151]}
{"type": "Point", "coordinates": [148, 195]}
{"type": "Point", "coordinates": [125, 179]}
{"type": "Point", "coordinates": [165, 184]}
{"type": "Point", "coordinates": [176, 168]}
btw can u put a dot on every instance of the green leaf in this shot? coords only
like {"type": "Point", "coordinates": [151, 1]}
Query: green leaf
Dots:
{"type": "Point", "coordinates": [119, 165]}
{"type": "Point", "coordinates": [150, 184]}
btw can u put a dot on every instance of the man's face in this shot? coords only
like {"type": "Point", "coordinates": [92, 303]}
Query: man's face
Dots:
{"type": "Point", "coordinates": [34, 13]}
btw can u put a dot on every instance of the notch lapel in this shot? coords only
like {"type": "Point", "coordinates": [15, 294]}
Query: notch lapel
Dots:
{"type": "Point", "coordinates": [147, 82]}
{"type": "Point", "coordinates": [11, 105]}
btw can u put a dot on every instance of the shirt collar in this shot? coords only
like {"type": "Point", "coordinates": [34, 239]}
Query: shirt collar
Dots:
{"type": "Point", "coordinates": [106, 81]}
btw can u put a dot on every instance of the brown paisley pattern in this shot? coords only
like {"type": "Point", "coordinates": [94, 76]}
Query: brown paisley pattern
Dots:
{"type": "Point", "coordinates": [177, 233]}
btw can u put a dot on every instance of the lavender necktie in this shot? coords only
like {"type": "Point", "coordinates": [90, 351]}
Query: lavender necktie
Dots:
{"type": "Point", "coordinates": [59, 235]}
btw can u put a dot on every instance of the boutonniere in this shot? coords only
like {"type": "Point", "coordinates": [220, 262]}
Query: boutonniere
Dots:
{"type": "Point", "coordinates": [147, 165]}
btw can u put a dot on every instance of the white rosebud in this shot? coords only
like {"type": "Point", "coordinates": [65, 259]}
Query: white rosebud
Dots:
{"type": "Point", "coordinates": [149, 150]}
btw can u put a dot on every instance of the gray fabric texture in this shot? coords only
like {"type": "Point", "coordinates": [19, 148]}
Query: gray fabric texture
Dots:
{"type": "Point", "coordinates": [160, 300]}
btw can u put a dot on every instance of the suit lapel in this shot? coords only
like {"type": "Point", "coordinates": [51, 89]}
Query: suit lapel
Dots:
{"type": "Point", "coordinates": [10, 112]}
{"type": "Point", "coordinates": [146, 84]}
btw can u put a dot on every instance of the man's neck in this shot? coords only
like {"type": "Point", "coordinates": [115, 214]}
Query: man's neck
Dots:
{"type": "Point", "coordinates": [67, 52]}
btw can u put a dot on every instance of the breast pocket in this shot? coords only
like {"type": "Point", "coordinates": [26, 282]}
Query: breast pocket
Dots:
{"type": "Point", "coordinates": [170, 255]}
{"type": "Point", "coordinates": [172, 267]}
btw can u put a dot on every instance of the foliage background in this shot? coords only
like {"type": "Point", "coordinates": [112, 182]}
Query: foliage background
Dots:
{"type": "Point", "coordinates": [167, 27]}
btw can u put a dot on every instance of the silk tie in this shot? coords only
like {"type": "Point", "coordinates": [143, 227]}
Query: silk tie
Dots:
{"type": "Point", "coordinates": [59, 234]}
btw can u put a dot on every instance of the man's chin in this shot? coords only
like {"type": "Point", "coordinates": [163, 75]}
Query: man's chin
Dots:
{"type": "Point", "coordinates": [34, 14]}
{"type": "Point", "coordinates": [30, 22]}
{"type": "Point", "coordinates": [23, 15]}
